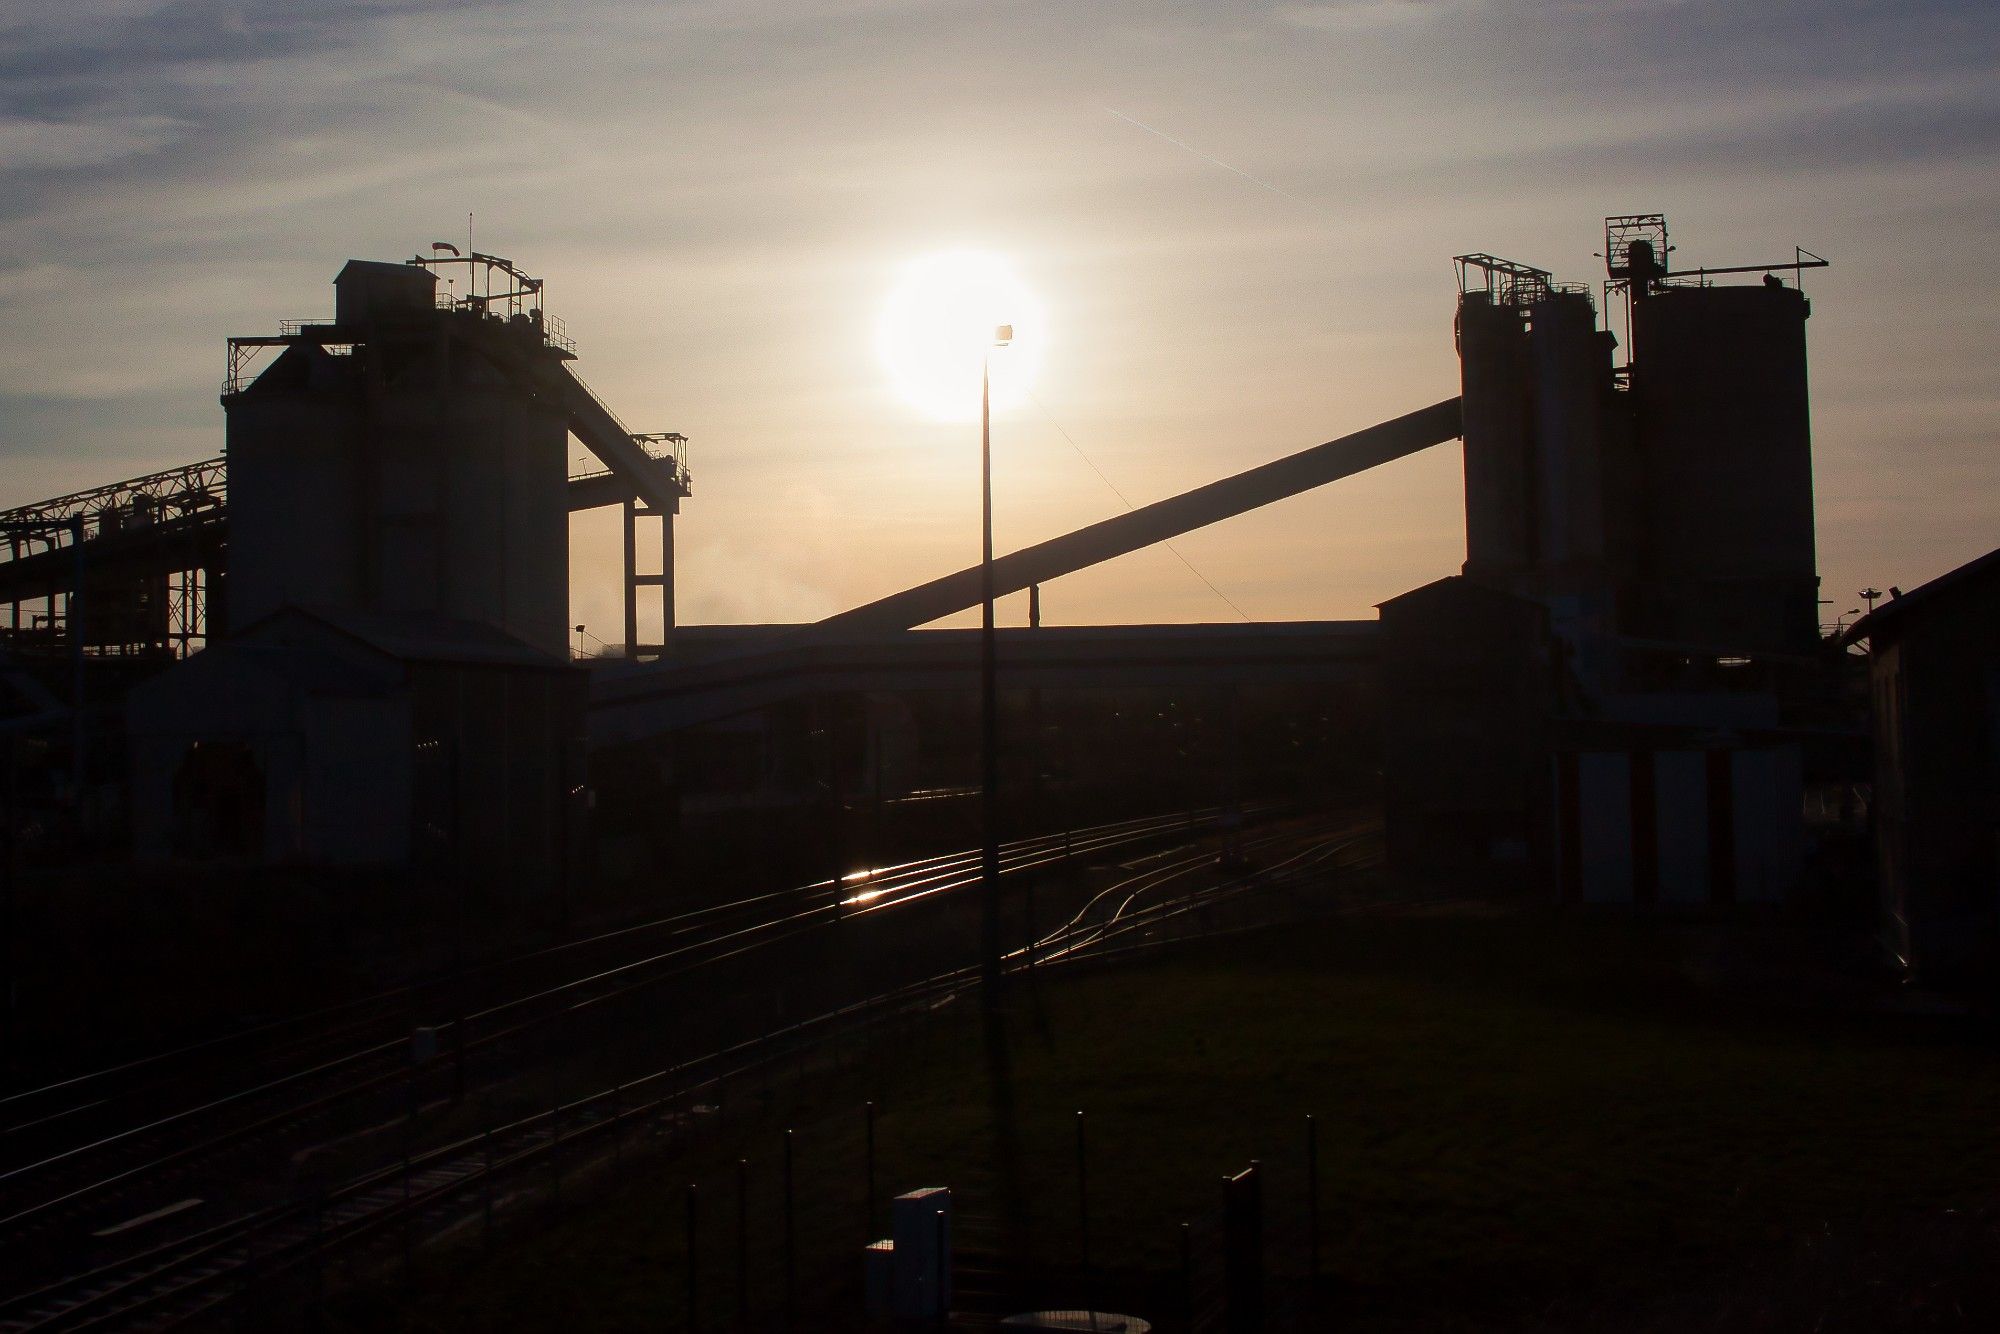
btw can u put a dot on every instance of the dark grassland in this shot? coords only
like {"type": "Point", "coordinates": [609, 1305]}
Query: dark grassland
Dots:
{"type": "Point", "coordinates": [1526, 1122]}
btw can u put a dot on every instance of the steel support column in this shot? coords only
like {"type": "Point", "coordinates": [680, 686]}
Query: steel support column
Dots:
{"type": "Point", "coordinates": [634, 581]}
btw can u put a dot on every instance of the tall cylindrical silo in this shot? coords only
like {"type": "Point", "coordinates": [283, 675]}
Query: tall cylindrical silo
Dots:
{"type": "Point", "coordinates": [1497, 387]}
{"type": "Point", "coordinates": [1725, 443]}
{"type": "Point", "coordinates": [384, 464]}
{"type": "Point", "coordinates": [1571, 369]}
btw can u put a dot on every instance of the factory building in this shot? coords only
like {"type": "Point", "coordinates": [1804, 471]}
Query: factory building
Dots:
{"type": "Point", "coordinates": [337, 738]}
{"type": "Point", "coordinates": [1934, 678]}
{"type": "Point", "coordinates": [1606, 705]}
{"type": "Point", "coordinates": [399, 469]}
{"type": "Point", "coordinates": [1630, 731]}
{"type": "Point", "coordinates": [397, 690]}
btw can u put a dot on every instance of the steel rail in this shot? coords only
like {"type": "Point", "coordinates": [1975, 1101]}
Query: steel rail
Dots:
{"type": "Point", "coordinates": [1024, 857]}
{"type": "Point", "coordinates": [473, 1164]}
{"type": "Point", "coordinates": [321, 1015]}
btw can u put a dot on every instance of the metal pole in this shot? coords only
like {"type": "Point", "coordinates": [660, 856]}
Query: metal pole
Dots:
{"type": "Point", "coordinates": [319, 1259]}
{"type": "Point", "coordinates": [693, 1256]}
{"type": "Point", "coordinates": [408, 1240]}
{"type": "Point", "coordinates": [458, 980]}
{"type": "Point", "coordinates": [989, 719]}
{"type": "Point", "coordinates": [868, 1216]}
{"type": "Point", "coordinates": [667, 611]}
{"type": "Point", "coordinates": [1312, 1199]}
{"type": "Point", "coordinates": [555, 1158]}
{"type": "Point", "coordinates": [631, 578]}
{"type": "Point", "coordinates": [791, 1243]}
{"type": "Point", "coordinates": [1187, 1276]}
{"type": "Point", "coordinates": [742, 1243]}
{"type": "Point", "coordinates": [9, 819]}
{"type": "Point", "coordinates": [76, 664]}
{"type": "Point", "coordinates": [940, 1296]}
{"type": "Point", "coordinates": [486, 1186]}
{"type": "Point", "coordinates": [1082, 1198]}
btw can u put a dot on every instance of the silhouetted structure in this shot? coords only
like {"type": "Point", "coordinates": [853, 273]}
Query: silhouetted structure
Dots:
{"type": "Point", "coordinates": [358, 739]}
{"type": "Point", "coordinates": [1607, 700]}
{"type": "Point", "coordinates": [398, 553]}
{"type": "Point", "coordinates": [1628, 732]}
{"type": "Point", "coordinates": [1934, 673]}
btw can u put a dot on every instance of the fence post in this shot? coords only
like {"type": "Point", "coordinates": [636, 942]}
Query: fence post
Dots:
{"type": "Point", "coordinates": [486, 1187]}
{"type": "Point", "coordinates": [868, 1198]}
{"type": "Point", "coordinates": [791, 1242]}
{"type": "Point", "coordinates": [409, 1241]}
{"type": "Point", "coordinates": [1082, 1197]}
{"type": "Point", "coordinates": [743, 1243]}
{"type": "Point", "coordinates": [940, 1292]}
{"type": "Point", "coordinates": [555, 1159]}
{"type": "Point", "coordinates": [319, 1260]}
{"type": "Point", "coordinates": [1243, 1249]}
{"type": "Point", "coordinates": [693, 1256]}
{"type": "Point", "coordinates": [1187, 1277]}
{"type": "Point", "coordinates": [1312, 1199]}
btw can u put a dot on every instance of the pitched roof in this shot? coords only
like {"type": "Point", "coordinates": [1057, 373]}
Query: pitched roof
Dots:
{"type": "Point", "coordinates": [1891, 611]}
{"type": "Point", "coordinates": [418, 636]}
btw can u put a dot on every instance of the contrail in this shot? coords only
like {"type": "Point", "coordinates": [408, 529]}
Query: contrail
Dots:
{"type": "Point", "coordinates": [1177, 143]}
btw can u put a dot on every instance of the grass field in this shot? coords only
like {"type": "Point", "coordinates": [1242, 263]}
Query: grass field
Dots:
{"type": "Point", "coordinates": [1524, 1122]}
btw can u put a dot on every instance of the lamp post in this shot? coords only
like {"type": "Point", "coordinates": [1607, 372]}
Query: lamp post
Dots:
{"type": "Point", "coordinates": [989, 702]}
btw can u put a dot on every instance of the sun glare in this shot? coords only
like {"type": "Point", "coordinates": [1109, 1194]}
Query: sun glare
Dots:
{"type": "Point", "coordinates": [938, 322]}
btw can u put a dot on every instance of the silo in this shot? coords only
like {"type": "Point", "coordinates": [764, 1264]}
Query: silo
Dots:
{"type": "Point", "coordinates": [297, 513]}
{"type": "Point", "coordinates": [1497, 390]}
{"type": "Point", "coordinates": [1570, 368]}
{"type": "Point", "coordinates": [384, 463]}
{"type": "Point", "coordinates": [1724, 434]}
{"type": "Point", "coordinates": [473, 508]}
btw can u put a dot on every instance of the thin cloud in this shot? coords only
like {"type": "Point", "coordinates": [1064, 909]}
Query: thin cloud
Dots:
{"type": "Point", "coordinates": [55, 145]}
{"type": "Point", "coordinates": [1205, 157]}
{"type": "Point", "coordinates": [1371, 15]}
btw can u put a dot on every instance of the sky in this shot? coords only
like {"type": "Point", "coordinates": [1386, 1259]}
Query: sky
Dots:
{"type": "Point", "coordinates": [1238, 220]}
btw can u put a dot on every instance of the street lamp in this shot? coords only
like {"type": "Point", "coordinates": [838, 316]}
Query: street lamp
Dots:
{"type": "Point", "coordinates": [989, 704]}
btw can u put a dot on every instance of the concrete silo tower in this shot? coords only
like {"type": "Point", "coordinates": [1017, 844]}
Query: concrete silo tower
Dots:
{"type": "Point", "coordinates": [404, 458]}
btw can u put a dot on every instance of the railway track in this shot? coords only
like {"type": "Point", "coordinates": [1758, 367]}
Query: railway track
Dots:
{"type": "Point", "coordinates": [154, 1167]}
{"type": "Point", "coordinates": [299, 1041]}
{"type": "Point", "coordinates": [170, 1283]}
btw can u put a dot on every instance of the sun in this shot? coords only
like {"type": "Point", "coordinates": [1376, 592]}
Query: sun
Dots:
{"type": "Point", "coordinates": [938, 322]}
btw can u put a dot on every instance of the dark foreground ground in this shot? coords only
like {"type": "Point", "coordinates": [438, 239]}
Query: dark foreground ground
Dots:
{"type": "Point", "coordinates": [1525, 1122]}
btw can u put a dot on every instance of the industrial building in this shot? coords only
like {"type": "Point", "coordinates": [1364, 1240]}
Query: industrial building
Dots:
{"type": "Point", "coordinates": [342, 738]}
{"type": "Point", "coordinates": [1624, 720]}
{"type": "Point", "coordinates": [1934, 678]}
{"type": "Point", "coordinates": [1607, 704]}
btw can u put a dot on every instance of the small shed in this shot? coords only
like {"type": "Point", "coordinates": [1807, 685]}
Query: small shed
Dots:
{"type": "Point", "coordinates": [1934, 678]}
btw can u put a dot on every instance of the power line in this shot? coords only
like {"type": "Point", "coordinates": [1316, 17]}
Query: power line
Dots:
{"type": "Point", "coordinates": [1130, 506]}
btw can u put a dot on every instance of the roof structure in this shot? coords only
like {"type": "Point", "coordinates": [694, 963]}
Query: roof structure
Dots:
{"type": "Point", "coordinates": [415, 636]}
{"type": "Point", "coordinates": [1886, 615]}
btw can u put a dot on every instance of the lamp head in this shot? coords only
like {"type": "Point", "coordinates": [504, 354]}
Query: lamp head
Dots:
{"type": "Point", "coordinates": [1002, 335]}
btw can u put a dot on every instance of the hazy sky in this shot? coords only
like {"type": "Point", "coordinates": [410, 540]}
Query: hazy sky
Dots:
{"type": "Point", "coordinates": [1239, 218]}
